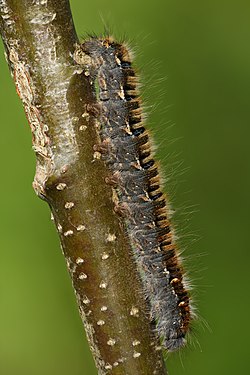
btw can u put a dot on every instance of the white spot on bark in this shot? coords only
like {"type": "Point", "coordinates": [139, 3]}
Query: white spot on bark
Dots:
{"type": "Point", "coordinates": [86, 115]}
{"type": "Point", "coordinates": [134, 311]}
{"type": "Point", "coordinates": [79, 261]}
{"type": "Point", "coordinates": [80, 228]}
{"type": "Point", "coordinates": [136, 355]}
{"type": "Point", "coordinates": [68, 233]}
{"type": "Point", "coordinates": [115, 364]}
{"type": "Point", "coordinates": [108, 367]}
{"type": "Point", "coordinates": [69, 205]}
{"type": "Point", "coordinates": [104, 308]}
{"type": "Point", "coordinates": [61, 186]}
{"type": "Point", "coordinates": [136, 342]}
{"type": "Point", "coordinates": [111, 237]}
{"type": "Point", "coordinates": [100, 322]}
{"type": "Point", "coordinates": [105, 256]}
{"type": "Point", "coordinates": [111, 342]}
{"type": "Point", "coordinates": [83, 127]}
{"type": "Point", "coordinates": [103, 285]}
{"type": "Point", "coordinates": [97, 155]}
{"type": "Point", "coordinates": [83, 276]}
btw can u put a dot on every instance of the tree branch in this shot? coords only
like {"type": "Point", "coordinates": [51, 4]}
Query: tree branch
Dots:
{"type": "Point", "coordinates": [39, 38]}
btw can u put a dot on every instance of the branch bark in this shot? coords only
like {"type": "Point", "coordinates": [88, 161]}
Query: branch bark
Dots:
{"type": "Point", "coordinates": [40, 38]}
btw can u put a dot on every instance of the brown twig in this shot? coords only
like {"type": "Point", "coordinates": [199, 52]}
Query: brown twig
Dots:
{"type": "Point", "coordinates": [39, 39]}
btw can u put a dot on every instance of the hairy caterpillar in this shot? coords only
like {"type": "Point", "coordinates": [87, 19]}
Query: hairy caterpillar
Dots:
{"type": "Point", "coordinates": [137, 195]}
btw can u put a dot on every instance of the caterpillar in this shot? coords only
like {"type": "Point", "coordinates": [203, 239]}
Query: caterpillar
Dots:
{"type": "Point", "coordinates": [138, 198]}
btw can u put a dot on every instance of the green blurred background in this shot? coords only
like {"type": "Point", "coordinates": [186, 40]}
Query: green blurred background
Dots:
{"type": "Point", "coordinates": [194, 58]}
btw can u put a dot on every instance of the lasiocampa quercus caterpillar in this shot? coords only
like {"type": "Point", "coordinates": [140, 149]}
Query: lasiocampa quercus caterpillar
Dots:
{"type": "Point", "coordinates": [137, 193]}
